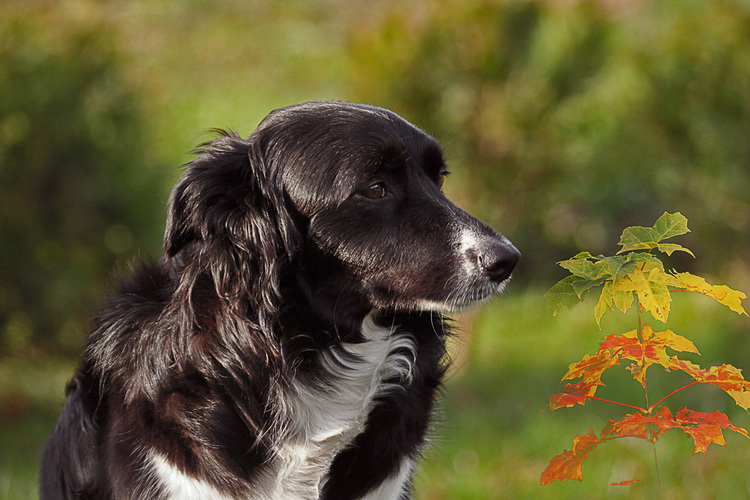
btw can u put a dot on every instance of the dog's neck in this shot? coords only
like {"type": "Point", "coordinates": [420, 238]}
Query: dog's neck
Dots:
{"type": "Point", "coordinates": [331, 297]}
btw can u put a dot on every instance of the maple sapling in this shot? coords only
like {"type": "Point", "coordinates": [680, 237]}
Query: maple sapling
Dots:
{"type": "Point", "coordinates": [635, 277]}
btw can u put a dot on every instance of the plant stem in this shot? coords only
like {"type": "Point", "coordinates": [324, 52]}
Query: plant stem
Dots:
{"type": "Point", "coordinates": [642, 410]}
{"type": "Point", "coordinates": [650, 408]}
{"type": "Point", "coordinates": [640, 339]}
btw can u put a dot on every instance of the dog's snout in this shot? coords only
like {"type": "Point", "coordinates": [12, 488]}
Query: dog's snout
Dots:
{"type": "Point", "coordinates": [498, 260]}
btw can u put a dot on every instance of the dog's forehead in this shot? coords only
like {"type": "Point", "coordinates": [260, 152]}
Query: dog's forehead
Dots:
{"type": "Point", "coordinates": [336, 147]}
{"type": "Point", "coordinates": [377, 157]}
{"type": "Point", "coordinates": [333, 173]}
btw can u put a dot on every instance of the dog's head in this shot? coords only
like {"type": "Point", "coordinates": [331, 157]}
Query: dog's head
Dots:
{"type": "Point", "coordinates": [341, 201]}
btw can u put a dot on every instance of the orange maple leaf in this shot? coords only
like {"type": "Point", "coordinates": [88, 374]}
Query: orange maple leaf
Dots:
{"type": "Point", "coordinates": [638, 425]}
{"type": "Point", "coordinates": [591, 369]}
{"type": "Point", "coordinates": [625, 483]}
{"type": "Point", "coordinates": [568, 464]}
{"type": "Point", "coordinates": [648, 350]}
{"type": "Point", "coordinates": [574, 394]}
{"type": "Point", "coordinates": [705, 428]}
{"type": "Point", "coordinates": [726, 377]}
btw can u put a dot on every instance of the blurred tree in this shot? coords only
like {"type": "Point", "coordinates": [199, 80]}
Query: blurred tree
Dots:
{"type": "Point", "coordinates": [76, 190]}
{"type": "Point", "coordinates": [571, 120]}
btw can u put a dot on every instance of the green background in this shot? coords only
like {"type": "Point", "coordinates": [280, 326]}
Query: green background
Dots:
{"type": "Point", "coordinates": [563, 122]}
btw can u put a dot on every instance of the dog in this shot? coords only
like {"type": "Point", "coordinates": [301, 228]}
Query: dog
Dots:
{"type": "Point", "coordinates": [290, 342]}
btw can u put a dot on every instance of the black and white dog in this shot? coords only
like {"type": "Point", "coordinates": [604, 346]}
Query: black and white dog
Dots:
{"type": "Point", "coordinates": [290, 342]}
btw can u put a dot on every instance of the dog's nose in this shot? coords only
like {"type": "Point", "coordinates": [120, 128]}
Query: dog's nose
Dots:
{"type": "Point", "coordinates": [498, 260]}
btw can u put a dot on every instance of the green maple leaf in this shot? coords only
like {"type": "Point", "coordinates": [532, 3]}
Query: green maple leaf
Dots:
{"type": "Point", "coordinates": [617, 266]}
{"type": "Point", "coordinates": [563, 295]}
{"type": "Point", "coordinates": [582, 266]}
{"type": "Point", "coordinates": [649, 238]}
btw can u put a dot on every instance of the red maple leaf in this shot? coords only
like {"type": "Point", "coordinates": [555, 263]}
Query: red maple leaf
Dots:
{"type": "Point", "coordinates": [568, 464]}
{"type": "Point", "coordinates": [625, 483]}
{"type": "Point", "coordinates": [591, 369]}
{"type": "Point", "coordinates": [574, 394]}
{"type": "Point", "coordinates": [705, 428]}
{"type": "Point", "coordinates": [647, 349]}
{"type": "Point", "coordinates": [638, 425]}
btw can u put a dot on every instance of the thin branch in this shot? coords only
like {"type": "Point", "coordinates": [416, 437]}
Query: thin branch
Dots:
{"type": "Point", "coordinates": [650, 408]}
{"type": "Point", "coordinates": [642, 410]}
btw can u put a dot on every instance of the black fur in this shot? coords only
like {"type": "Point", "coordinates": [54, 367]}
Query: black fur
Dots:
{"type": "Point", "coordinates": [220, 358]}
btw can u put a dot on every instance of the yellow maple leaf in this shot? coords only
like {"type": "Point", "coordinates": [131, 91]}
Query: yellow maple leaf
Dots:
{"type": "Point", "coordinates": [723, 294]}
{"type": "Point", "coordinates": [604, 304]}
{"type": "Point", "coordinates": [653, 295]}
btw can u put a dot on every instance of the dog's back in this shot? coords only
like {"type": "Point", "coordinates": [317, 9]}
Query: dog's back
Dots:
{"type": "Point", "coordinates": [68, 462]}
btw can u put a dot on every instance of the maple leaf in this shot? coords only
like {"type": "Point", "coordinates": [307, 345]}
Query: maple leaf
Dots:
{"type": "Point", "coordinates": [726, 377]}
{"type": "Point", "coordinates": [730, 380]}
{"type": "Point", "coordinates": [591, 369]}
{"type": "Point", "coordinates": [723, 294]}
{"type": "Point", "coordinates": [705, 428]}
{"type": "Point", "coordinates": [562, 295]}
{"type": "Point", "coordinates": [568, 464]}
{"type": "Point", "coordinates": [625, 483]}
{"type": "Point", "coordinates": [647, 350]}
{"type": "Point", "coordinates": [638, 425]}
{"type": "Point", "coordinates": [653, 294]}
{"type": "Point", "coordinates": [581, 266]}
{"type": "Point", "coordinates": [574, 394]}
{"type": "Point", "coordinates": [649, 238]}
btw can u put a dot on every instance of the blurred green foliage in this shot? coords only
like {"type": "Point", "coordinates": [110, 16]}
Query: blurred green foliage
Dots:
{"type": "Point", "coordinates": [564, 121]}
{"type": "Point", "coordinates": [77, 191]}
{"type": "Point", "coordinates": [573, 120]}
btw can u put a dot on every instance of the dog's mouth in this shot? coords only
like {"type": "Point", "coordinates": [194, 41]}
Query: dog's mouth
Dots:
{"type": "Point", "coordinates": [470, 278]}
{"type": "Point", "coordinates": [486, 266]}
{"type": "Point", "coordinates": [462, 298]}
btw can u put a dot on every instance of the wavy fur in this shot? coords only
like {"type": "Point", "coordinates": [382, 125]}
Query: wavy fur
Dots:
{"type": "Point", "coordinates": [290, 341]}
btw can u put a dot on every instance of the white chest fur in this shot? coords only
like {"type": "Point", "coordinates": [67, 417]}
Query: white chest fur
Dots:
{"type": "Point", "coordinates": [324, 418]}
{"type": "Point", "coordinates": [320, 418]}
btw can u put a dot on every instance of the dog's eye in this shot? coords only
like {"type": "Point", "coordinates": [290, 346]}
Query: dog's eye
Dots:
{"type": "Point", "coordinates": [441, 179]}
{"type": "Point", "coordinates": [375, 191]}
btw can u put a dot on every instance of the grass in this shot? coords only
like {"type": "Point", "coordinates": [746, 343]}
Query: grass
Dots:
{"type": "Point", "coordinates": [493, 440]}
{"type": "Point", "coordinates": [31, 397]}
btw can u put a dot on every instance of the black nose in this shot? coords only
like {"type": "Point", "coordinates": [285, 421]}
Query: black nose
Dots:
{"type": "Point", "coordinates": [498, 260]}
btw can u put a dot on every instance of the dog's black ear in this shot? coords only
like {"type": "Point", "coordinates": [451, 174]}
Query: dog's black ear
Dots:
{"type": "Point", "coordinates": [228, 219]}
